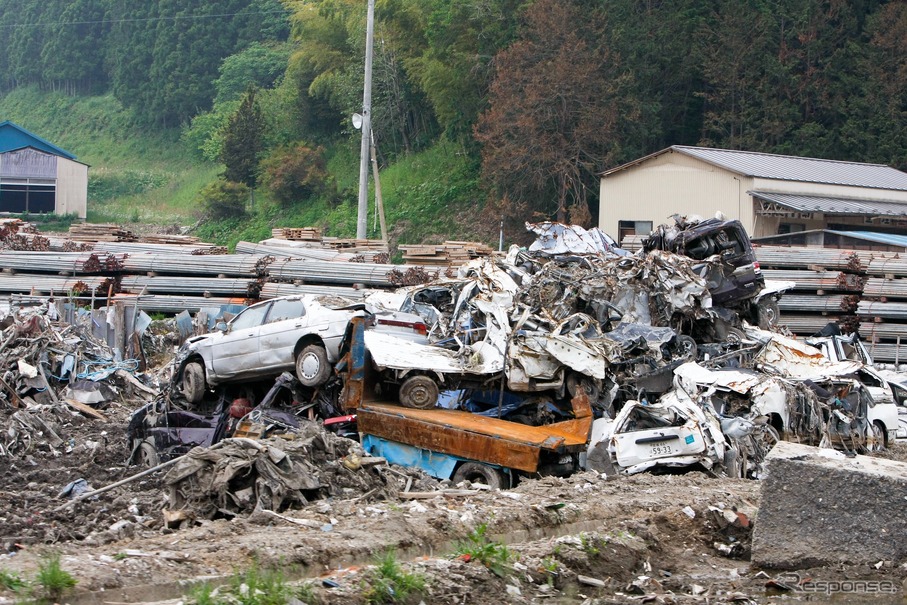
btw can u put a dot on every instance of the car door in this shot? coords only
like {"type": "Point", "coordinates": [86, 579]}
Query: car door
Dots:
{"type": "Point", "coordinates": [236, 354]}
{"type": "Point", "coordinates": [285, 324]}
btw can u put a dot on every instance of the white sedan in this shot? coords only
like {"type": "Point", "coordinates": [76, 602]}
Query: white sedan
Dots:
{"type": "Point", "coordinates": [302, 332]}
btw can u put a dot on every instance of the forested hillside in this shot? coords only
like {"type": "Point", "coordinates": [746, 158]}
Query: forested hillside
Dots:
{"type": "Point", "coordinates": [513, 106]}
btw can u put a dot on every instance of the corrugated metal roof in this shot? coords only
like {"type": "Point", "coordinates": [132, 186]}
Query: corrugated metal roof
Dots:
{"type": "Point", "coordinates": [832, 205]}
{"type": "Point", "coordinates": [13, 137]}
{"type": "Point", "coordinates": [891, 239]}
{"type": "Point", "coordinates": [792, 168]}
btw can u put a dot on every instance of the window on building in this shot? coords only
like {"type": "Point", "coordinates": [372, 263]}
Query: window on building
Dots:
{"type": "Point", "coordinates": [27, 197]}
{"type": "Point", "coordinates": [791, 228]}
{"type": "Point", "coordinates": [625, 228]}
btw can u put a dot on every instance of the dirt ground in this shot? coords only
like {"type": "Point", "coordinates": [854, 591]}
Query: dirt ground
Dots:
{"type": "Point", "coordinates": [584, 539]}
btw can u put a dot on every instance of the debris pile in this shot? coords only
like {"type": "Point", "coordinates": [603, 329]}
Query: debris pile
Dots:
{"type": "Point", "coordinates": [240, 476]}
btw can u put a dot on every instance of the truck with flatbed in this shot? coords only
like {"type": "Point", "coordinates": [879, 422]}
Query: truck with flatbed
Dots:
{"type": "Point", "coordinates": [456, 444]}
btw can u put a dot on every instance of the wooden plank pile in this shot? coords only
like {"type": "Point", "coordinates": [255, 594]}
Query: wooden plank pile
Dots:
{"type": "Point", "coordinates": [451, 253]}
{"type": "Point", "coordinates": [88, 232]}
{"type": "Point", "coordinates": [376, 246]}
{"type": "Point", "coordinates": [163, 238]}
{"type": "Point", "coordinates": [857, 289]}
{"type": "Point", "coordinates": [307, 234]}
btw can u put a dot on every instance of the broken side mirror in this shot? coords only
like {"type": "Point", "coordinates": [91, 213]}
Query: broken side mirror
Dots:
{"type": "Point", "coordinates": [222, 326]}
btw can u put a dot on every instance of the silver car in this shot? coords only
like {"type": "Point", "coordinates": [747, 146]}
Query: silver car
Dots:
{"type": "Point", "coordinates": [300, 332]}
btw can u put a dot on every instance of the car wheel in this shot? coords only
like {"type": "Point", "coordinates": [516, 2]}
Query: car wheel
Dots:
{"type": "Point", "coordinates": [312, 365]}
{"type": "Point", "coordinates": [877, 434]}
{"type": "Point", "coordinates": [577, 382]}
{"type": "Point", "coordinates": [476, 472]}
{"type": "Point", "coordinates": [686, 348]}
{"type": "Point", "coordinates": [194, 382]}
{"type": "Point", "coordinates": [733, 464]}
{"type": "Point", "coordinates": [147, 455]}
{"type": "Point", "coordinates": [420, 392]}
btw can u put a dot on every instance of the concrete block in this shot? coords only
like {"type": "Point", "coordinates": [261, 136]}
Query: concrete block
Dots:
{"type": "Point", "coordinates": [819, 507]}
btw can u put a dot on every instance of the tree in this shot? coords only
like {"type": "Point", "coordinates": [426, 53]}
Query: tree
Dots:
{"type": "Point", "coordinates": [258, 65]}
{"type": "Point", "coordinates": [243, 142]}
{"type": "Point", "coordinates": [557, 108]}
{"type": "Point", "coordinates": [294, 172]}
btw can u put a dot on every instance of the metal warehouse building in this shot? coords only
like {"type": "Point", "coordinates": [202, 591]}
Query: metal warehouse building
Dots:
{"type": "Point", "coordinates": [38, 177]}
{"type": "Point", "coordinates": [769, 193]}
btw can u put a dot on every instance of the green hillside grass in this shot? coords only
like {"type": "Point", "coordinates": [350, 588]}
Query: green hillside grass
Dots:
{"type": "Point", "coordinates": [135, 174]}
{"type": "Point", "coordinates": [148, 176]}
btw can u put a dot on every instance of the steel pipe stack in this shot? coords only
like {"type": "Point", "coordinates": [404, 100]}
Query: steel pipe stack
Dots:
{"type": "Point", "coordinates": [60, 262]}
{"type": "Point", "coordinates": [201, 286]}
{"type": "Point", "coordinates": [322, 254]}
{"type": "Point", "coordinates": [322, 272]}
{"type": "Point", "coordinates": [239, 265]}
{"type": "Point", "coordinates": [141, 247]}
{"type": "Point", "coordinates": [45, 284]}
{"type": "Point", "coordinates": [274, 289]}
{"type": "Point", "coordinates": [156, 303]}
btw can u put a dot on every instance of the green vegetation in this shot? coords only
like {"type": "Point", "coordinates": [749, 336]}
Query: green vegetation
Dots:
{"type": "Point", "coordinates": [493, 555]}
{"type": "Point", "coordinates": [10, 580]}
{"type": "Point", "coordinates": [255, 586]}
{"type": "Point", "coordinates": [461, 111]}
{"type": "Point", "coordinates": [52, 581]}
{"type": "Point", "coordinates": [389, 583]}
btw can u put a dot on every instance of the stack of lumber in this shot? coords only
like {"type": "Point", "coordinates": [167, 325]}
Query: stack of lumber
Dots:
{"type": "Point", "coordinates": [355, 245]}
{"type": "Point", "coordinates": [450, 253]}
{"type": "Point", "coordinates": [161, 238]}
{"type": "Point", "coordinates": [309, 234]}
{"type": "Point", "coordinates": [857, 289]}
{"type": "Point", "coordinates": [88, 232]}
{"type": "Point", "coordinates": [632, 243]}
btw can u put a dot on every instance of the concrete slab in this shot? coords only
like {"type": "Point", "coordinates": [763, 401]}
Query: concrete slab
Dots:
{"type": "Point", "coordinates": [819, 507]}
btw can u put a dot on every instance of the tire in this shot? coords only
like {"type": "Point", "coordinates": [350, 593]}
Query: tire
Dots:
{"type": "Point", "coordinates": [476, 472]}
{"type": "Point", "coordinates": [312, 365]}
{"type": "Point", "coordinates": [877, 434]}
{"type": "Point", "coordinates": [147, 455]}
{"type": "Point", "coordinates": [419, 392]}
{"type": "Point", "coordinates": [578, 382]}
{"type": "Point", "coordinates": [733, 465]}
{"type": "Point", "coordinates": [194, 382]}
{"type": "Point", "coordinates": [686, 348]}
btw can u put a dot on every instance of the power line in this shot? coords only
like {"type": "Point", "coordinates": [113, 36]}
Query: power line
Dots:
{"type": "Point", "coordinates": [142, 19]}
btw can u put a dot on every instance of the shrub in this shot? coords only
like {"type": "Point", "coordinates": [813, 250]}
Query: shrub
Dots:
{"type": "Point", "coordinates": [224, 199]}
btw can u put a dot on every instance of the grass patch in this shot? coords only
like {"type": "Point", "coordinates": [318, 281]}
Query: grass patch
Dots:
{"type": "Point", "coordinates": [10, 580]}
{"type": "Point", "coordinates": [255, 586]}
{"type": "Point", "coordinates": [52, 581]}
{"type": "Point", "coordinates": [389, 583]}
{"type": "Point", "coordinates": [478, 546]}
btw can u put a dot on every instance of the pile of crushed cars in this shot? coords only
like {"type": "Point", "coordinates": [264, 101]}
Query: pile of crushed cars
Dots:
{"type": "Point", "coordinates": [675, 346]}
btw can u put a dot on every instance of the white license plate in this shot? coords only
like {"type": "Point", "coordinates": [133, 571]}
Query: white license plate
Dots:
{"type": "Point", "coordinates": [660, 450]}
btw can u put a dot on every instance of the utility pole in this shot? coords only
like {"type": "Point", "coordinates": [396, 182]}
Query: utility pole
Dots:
{"type": "Point", "coordinates": [362, 218]}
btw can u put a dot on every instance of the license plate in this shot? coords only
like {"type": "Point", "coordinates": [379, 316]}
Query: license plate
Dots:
{"type": "Point", "coordinates": [660, 450]}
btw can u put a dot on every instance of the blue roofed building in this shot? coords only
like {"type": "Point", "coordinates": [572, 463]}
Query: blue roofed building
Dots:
{"type": "Point", "coordinates": [37, 177]}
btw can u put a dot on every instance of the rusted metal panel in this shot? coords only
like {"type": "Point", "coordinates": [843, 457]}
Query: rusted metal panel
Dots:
{"type": "Point", "coordinates": [458, 433]}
